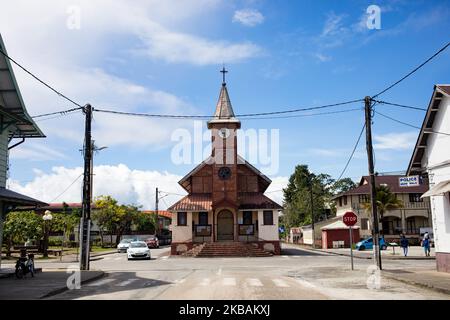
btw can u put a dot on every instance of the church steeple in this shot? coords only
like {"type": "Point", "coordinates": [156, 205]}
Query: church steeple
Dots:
{"type": "Point", "coordinates": [224, 111]}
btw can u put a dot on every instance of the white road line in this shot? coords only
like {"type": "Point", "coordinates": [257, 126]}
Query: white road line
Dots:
{"type": "Point", "coordinates": [117, 259]}
{"type": "Point", "coordinates": [254, 282]}
{"type": "Point", "coordinates": [280, 283]}
{"type": "Point", "coordinates": [229, 282]}
{"type": "Point", "coordinates": [107, 258]}
{"type": "Point", "coordinates": [285, 256]}
{"type": "Point", "coordinates": [164, 258]}
{"type": "Point", "coordinates": [100, 283]}
{"type": "Point", "coordinates": [180, 281]}
{"type": "Point", "coordinates": [126, 282]}
{"type": "Point", "coordinates": [205, 282]}
{"type": "Point", "coordinates": [305, 283]}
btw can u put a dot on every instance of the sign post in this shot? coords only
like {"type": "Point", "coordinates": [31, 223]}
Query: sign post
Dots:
{"type": "Point", "coordinates": [350, 219]}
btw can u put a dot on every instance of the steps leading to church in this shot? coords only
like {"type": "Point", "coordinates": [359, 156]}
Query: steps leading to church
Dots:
{"type": "Point", "coordinates": [228, 249]}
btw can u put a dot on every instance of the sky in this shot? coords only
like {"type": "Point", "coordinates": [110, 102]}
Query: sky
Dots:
{"type": "Point", "coordinates": [164, 57]}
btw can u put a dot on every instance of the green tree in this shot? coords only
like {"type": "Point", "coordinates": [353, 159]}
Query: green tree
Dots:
{"type": "Point", "coordinates": [104, 215]}
{"type": "Point", "coordinates": [297, 198]}
{"type": "Point", "coordinates": [145, 222]}
{"type": "Point", "coordinates": [123, 220]}
{"type": "Point", "coordinates": [386, 200]}
{"type": "Point", "coordinates": [342, 185]}
{"type": "Point", "coordinates": [21, 226]}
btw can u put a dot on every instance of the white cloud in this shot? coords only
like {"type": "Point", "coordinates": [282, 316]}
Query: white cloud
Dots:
{"type": "Point", "coordinates": [395, 141]}
{"type": "Point", "coordinates": [322, 57]}
{"type": "Point", "coordinates": [248, 17]}
{"type": "Point", "coordinates": [121, 182]}
{"type": "Point", "coordinates": [274, 191]}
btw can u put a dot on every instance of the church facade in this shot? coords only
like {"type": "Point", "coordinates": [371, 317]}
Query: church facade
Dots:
{"type": "Point", "coordinates": [225, 201]}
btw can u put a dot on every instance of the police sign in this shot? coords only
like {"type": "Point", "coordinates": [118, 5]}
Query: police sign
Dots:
{"type": "Point", "coordinates": [411, 181]}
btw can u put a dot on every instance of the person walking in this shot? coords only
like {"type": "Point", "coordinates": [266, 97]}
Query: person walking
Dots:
{"type": "Point", "coordinates": [404, 243]}
{"type": "Point", "coordinates": [426, 244]}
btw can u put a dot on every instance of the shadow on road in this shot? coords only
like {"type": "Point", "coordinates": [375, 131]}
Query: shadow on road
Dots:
{"type": "Point", "coordinates": [299, 252]}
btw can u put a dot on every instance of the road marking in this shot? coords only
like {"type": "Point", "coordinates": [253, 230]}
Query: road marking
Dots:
{"type": "Point", "coordinates": [219, 272]}
{"type": "Point", "coordinates": [126, 282]}
{"type": "Point", "coordinates": [229, 282]}
{"type": "Point", "coordinates": [117, 259]}
{"type": "Point", "coordinates": [285, 256]}
{"type": "Point", "coordinates": [107, 258]}
{"type": "Point", "coordinates": [254, 282]}
{"type": "Point", "coordinates": [164, 258]}
{"type": "Point", "coordinates": [180, 281]}
{"type": "Point", "coordinates": [205, 282]}
{"type": "Point", "coordinates": [100, 283]}
{"type": "Point", "coordinates": [305, 283]}
{"type": "Point", "coordinates": [280, 283]}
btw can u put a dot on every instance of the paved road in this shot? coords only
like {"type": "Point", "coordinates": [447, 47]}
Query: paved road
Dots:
{"type": "Point", "coordinates": [297, 274]}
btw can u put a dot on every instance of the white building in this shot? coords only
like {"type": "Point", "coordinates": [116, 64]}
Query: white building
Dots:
{"type": "Point", "coordinates": [431, 159]}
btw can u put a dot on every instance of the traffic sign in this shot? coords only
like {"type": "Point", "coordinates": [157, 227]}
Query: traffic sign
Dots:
{"type": "Point", "coordinates": [350, 218]}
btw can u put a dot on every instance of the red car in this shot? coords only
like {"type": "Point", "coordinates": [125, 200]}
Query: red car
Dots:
{"type": "Point", "coordinates": [152, 242]}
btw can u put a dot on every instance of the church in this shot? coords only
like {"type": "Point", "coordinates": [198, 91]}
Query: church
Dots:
{"type": "Point", "coordinates": [225, 209]}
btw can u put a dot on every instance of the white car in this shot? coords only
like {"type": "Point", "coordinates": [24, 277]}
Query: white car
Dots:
{"type": "Point", "coordinates": [138, 250]}
{"type": "Point", "coordinates": [123, 245]}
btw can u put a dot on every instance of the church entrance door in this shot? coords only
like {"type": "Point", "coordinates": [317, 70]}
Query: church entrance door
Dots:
{"type": "Point", "coordinates": [225, 225]}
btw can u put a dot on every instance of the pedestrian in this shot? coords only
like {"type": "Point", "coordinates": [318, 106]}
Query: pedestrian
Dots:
{"type": "Point", "coordinates": [426, 244]}
{"type": "Point", "coordinates": [404, 243]}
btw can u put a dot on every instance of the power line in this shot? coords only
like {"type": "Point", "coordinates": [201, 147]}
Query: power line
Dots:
{"type": "Point", "coordinates": [171, 116]}
{"type": "Point", "coordinates": [413, 71]}
{"type": "Point", "coordinates": [66, 188]}
{"type": "Point", "coordinates": [38, 79]}
{"type": "Point", "coordinates": [59, 113]}
{"type": "Point", "coordinates": [410, 125]}
{"type": "Point", "coordinates": [353, 152]}
{"type": "Point", "coordinates": [400, 105]}
{"type": "Point", "coordinates": [306, 115]}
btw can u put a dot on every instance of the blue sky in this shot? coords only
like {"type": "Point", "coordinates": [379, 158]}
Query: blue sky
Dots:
{"type": "Point", "coordinates": [164, 57]}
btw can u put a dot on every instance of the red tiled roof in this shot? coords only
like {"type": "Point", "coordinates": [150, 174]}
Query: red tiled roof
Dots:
{"type": "Point", "coordinates": [391, 181]}
{"type": "Point", "coordinates": [203, 202]}
{"type": "Point", "coordinates": [257, 201]}
{"type": "Point", "coordinates": [445, 88]}
{"type": "Point", "coordinates": [193, 202]}
{"type": "Point", "coordinates": [163, 213]}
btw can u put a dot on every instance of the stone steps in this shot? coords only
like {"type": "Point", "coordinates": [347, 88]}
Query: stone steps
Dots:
{"type": "Point", "coordinates": [228, 249]}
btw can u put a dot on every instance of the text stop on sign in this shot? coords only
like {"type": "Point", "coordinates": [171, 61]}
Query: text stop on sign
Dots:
{"type": "Point", "coordinates": [350, 219]}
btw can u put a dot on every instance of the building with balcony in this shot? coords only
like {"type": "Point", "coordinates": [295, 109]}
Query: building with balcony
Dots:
{"type": "Point", "coordinates": [413, 215]}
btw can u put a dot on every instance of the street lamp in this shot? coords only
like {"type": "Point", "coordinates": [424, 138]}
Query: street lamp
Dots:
{"type": "Point", "coordinates": [47, 217]}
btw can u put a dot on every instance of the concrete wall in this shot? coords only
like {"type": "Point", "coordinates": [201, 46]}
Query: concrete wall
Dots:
{"type": "Point", "coordinates": [437, 152]}
{"type": "Point", "coordinates": [268, 232]}
{"type": "Point", "coordinates": [182, 233]}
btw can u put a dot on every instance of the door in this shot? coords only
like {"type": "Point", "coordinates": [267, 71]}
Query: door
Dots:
{"type": "Point", "coordinates": [225, 225]}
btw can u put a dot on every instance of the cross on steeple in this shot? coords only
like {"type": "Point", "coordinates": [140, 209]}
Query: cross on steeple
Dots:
{"type": "Point", "coordinates": [223, 71]}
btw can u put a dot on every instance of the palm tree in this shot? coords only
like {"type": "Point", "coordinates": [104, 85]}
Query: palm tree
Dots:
{"type": "Point", "coordinates": [386, 200]}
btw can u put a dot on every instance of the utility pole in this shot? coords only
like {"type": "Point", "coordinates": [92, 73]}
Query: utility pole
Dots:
{"type": "Point", "coordinates": [312, 209]}
{"type": "Point", "coordinates": [156, 212]}
{"type": "Point", "coordinates": [373, 191]}
{"type": "Point", "coordinates": [85, 222]}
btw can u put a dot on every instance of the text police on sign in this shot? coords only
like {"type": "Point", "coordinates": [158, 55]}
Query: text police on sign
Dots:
{"type": "Point", "coordinates": [411, 181]}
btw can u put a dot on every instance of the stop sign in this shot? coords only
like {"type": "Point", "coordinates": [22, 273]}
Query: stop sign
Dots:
{"type": "Point", "coordinates": [350, 218]}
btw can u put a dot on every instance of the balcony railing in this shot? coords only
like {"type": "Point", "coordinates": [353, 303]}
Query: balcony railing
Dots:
{"type": "Point", "coordinates": [406, 205]}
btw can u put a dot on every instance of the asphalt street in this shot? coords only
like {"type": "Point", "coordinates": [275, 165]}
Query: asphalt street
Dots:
{"type": "Point", "coordinates": [296, 274]}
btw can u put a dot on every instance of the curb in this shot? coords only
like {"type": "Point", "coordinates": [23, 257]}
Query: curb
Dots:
{"type": "Point", "coordinates": [418, 284]}
{"type": "Point", "coordinates": [61, 290]}
{"type": "Point", "coordinates": [11, 274]}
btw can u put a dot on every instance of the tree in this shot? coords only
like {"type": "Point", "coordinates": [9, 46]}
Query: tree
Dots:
{"type": "Point", "coordinates": [125, 216]}
{"type": "Point", "coordinates": [342, 185]}
{"type": "Point", "coordinates": [21, 226]}
{"type": "Point", "coordinates": [386, 200]}
{"type": "Point", "coordinates": [297, 201]}
{"type": "Point", "coordinates": [104, 214]}
{"type": "Point", "coordinates": [145, 222]}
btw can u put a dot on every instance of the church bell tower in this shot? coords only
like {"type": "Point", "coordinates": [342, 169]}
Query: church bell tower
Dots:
{"type": "Point", "coordinates": [224, 126]}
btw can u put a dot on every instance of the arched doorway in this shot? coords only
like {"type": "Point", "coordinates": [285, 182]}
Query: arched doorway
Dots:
{"type": "Point", "coordinates": [225, 225]}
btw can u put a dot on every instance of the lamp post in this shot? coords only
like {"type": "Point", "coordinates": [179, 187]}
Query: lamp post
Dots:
{"type": "Point", "coordinates": [47, 217]}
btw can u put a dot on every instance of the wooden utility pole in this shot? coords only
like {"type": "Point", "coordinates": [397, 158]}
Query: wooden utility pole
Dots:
{"type": "Point", "coordinates": [156, 212]}
{"type": "Point", "coordinates": [373, 191]}
{"type": "Point", "coordinates": [85, 223]}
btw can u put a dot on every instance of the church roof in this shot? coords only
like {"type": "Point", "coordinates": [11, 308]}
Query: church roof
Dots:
{"type": "Point", "coordinates": [224, 111]}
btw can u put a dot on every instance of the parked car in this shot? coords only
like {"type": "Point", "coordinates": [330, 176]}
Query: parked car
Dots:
{"type": "Point", "coordinates": [138, 250]}
{"type": "Point", "coordinates": [368, 244]}
{"type": "Point", "coordinates": [123, 245]}
{"type": "Point", "coordinates": [152, 242]}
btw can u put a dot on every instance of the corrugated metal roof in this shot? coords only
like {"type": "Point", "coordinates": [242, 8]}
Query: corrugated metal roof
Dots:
{"type": "Point", "coordinates": [392, 181]}
{"type": "Point", "coordinates": [193, 202]}
{"type": "Point", "coordinates": [15, 198]}
{"type": "Point", "coordinates": [12, 107]}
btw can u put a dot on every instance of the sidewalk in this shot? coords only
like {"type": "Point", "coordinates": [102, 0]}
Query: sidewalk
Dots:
{"type": "Point", "coordinates": [415, 253]}
{"type": "Point", "coordinates": [439, 281]}
{"type": "Point", "coordinates": [44, 284]}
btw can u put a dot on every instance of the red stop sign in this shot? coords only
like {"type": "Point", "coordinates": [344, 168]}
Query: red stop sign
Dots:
{"type": "Point", "coordinates": [350, 219]}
